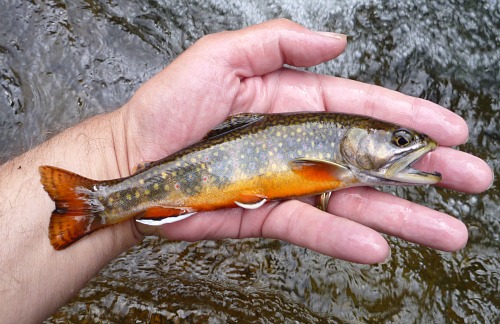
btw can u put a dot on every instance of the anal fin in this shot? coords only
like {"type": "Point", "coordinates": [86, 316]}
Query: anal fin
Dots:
{"type": "Point", "coordinates": [160, 215]}
{"type": "Point", "coordinates": [166, 220]}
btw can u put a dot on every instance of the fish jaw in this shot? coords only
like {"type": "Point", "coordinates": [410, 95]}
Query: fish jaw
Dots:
{"type": "Point", "coordinates": [402, 172]}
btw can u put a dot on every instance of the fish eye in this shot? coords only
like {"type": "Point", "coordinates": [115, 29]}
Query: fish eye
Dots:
{"type": "Point", "coordinates": [401, 138]}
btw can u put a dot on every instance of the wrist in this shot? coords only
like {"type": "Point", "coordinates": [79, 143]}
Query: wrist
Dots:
{"type": "Point", "coordinates": [92, 149]}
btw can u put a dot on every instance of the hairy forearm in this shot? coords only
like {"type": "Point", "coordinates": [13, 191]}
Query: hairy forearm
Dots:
{"type": "Point", "coordinates": [35, 280]}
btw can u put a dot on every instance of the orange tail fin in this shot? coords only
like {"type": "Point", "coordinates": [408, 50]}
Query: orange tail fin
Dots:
{"type": "Point", "coordinates": [76, 214]}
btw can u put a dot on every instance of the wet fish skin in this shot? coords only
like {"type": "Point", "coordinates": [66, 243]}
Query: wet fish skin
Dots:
{"type": "Point", "coordinates": [247, 160]}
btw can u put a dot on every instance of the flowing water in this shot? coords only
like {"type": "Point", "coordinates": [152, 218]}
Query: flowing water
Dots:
{"type": "Point", "coordinates": [63, 61]}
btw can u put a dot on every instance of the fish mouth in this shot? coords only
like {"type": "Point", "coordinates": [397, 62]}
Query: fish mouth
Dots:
{"type": "Point", "coordinates": [401, 170]}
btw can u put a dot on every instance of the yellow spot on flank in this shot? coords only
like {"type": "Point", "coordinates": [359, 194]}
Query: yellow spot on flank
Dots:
{"type": "Point", "coordinates": [299, 130]}
{"type": "Point", "coordinates": [141, 181]}
{"type": "Point", "coordinates": [137, 194]}
{"type": "Point", "coordinates": [270, 153]}
{"type": "Point", "coordinates": [164, 175]}
{"type": "Point", "coordinates": [156, 186]}
{"type": "Point", "coordinates": [128, 196]}
{"type": "Point", "coordinates": [193, 160]}
{"type": "Point", "coordinates": [166, 187]}
{"type": "Point", "coordinates": [147, 192]}
{"type": "Point", "coordinates": [110, 201]}
{"type": "Point", "coordinates": [178, 164]}
{"type": "Point", "coordinates": [278, 134]}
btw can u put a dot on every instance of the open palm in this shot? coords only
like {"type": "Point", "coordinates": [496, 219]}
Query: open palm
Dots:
{"type": "Point", "coordinates": [243, 71]}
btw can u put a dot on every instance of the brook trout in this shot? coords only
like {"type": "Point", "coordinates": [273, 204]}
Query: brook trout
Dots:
{"type": "Point", "coordinates": [244, 162]}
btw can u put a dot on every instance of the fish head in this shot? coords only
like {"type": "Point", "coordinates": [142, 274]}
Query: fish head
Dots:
{"type": "Point", "coordinates": [379, 153]}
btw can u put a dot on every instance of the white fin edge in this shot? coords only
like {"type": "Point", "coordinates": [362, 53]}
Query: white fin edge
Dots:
{"type": "Point", "coordinates": [251, 206]}
{"type": "Point", "coordinates": [166, 220]}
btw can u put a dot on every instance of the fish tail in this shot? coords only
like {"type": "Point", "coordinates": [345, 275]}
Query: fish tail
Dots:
{"type": "Point", "coordinates": [76, 214]}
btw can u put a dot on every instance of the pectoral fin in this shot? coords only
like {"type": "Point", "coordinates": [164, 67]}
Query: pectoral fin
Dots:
{"type": "Point", "coordinates": [320, 170]}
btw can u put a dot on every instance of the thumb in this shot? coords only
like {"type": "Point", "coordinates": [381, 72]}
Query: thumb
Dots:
{"type": "Point", "coordinates": [266, 47]}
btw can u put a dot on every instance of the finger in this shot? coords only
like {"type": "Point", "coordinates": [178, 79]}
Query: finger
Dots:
{"type": "Point", "coordinates": [292, 90]}
{"type": "Point", "coordinates": [266, 47]}
{"type": "Point", "coordinates": [342, 95]}
{"type": "Point", "coordinates": [292, 221]}
{"type": "Point", "coordinates": [306, 226]}
{"type": "Point", "coordinates": [398, 217]}
{"type": "Point", "coordinates": [460, 171]}
{"type": "Point", "coordinates": [214, 225]}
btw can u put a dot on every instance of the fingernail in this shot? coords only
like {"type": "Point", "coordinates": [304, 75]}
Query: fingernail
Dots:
{"type": "Point", "coordinates": [492, 178]}
{"type": "Point", "coordinates": [332, 35]}
{"type": "Point", "coordinates": [388, 258]}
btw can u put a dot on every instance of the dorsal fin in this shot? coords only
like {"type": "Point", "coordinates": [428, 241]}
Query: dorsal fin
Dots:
{"type": "Point", "coordinates": [234, 122]}
{"type": "Point", "coordinates": [141, 167]}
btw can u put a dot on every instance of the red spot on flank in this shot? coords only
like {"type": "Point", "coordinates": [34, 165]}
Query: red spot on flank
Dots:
{"type": "Point", "coordinates": [177, 186]}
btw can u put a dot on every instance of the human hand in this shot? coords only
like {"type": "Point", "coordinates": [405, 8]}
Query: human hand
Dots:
{"type": "Point", "coordinates": [242, 71]}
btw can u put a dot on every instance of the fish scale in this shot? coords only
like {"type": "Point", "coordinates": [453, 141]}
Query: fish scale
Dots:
{"type": "Point", "coordinates": [245, 161]}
